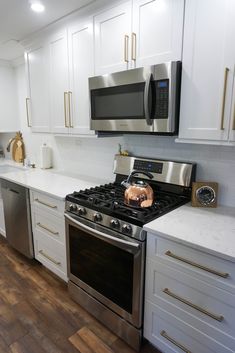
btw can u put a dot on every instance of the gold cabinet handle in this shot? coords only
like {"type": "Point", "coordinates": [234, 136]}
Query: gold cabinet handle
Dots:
{"type": "Point", "coordinates": [69, 106]}
{"type": "Point", "coordinates": [27, 111]}
{"type": "Point", "coordinates": [46, 204]}
{"type": "Point", "coordinates": [133, 46]}
{"type": "Point", "coordinates": [49, 258]}
{"type": "Point", "coordinates": [172, 340]}
{"type": "Point", "coordinates": [46, 228]}
{"type": "Point", "coordinates": [224, 97]}
{"type": "Point", "coordinates": [126, 47]}
{"type": "Point", "coordinates": [202, 267]}
{"type": "Point", "coordinates": [65, 109]}
{"type": "Point", "coordinates": [192, 305]}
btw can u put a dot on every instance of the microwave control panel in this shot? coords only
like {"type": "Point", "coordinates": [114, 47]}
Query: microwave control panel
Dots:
{"type": "Point", "coordinates": [162, 99]}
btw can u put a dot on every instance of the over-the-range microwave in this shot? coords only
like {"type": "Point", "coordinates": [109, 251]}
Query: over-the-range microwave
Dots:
{"type": "Point", "coordinates": [140, 100]}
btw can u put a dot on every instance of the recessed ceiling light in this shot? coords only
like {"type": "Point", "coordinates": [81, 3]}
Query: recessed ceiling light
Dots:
{"type": "Point", "coordinates": [37, 7]}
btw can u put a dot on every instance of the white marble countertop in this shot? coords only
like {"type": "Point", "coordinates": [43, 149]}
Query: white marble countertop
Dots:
{"type": "Point", "coordinates": [53, 182]}
{"type": "Point", "coordinates": [208, 229]}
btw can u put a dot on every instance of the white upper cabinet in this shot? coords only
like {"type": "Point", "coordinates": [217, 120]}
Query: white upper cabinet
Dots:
{"type": "Point", "coordinates": [138, 33]}
{"type": "Point", "coordinates": [112, 39]}
{"type": "Point", "coordinates": [59, 82]}
{"type": "Point", "coordinates": [58, 74]}
{"type": "Point", "coordinates": [157, 31]}
{"type": "Point", "coordinates": [38, 101]}
{"type": "Point", "coordinates": [8, 99]}
{"type": "Point", "coordinates": [208, 71]}
{"type": "Point", "coordinates": [81, 66]}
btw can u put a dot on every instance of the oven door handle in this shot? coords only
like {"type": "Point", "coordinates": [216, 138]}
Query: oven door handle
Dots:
{"type": "Point", "coordinates": [122, 243]}
{"type": "Point", "coordinates": [148, 119]}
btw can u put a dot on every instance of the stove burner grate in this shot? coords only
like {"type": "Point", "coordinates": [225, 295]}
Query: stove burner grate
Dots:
{"type": "Point", "coordinates": [109, 199]}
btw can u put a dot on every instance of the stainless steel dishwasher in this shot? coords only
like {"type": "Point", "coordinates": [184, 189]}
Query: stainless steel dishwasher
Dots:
{"type": "Point", "coordinates": [17, 216]}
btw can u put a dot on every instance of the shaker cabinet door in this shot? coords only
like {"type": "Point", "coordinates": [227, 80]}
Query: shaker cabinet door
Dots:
{"type": "Point", "coordinates": [157, 31]}
{"type": "Point", "coordinates": [8, 112]}
{"type": "Point", "coordinates": [80, 39]}
{"type": "Point", "coordinates": [112, 39]}
{"type": "Point", "coordinates": [59, 77]}
{"type": "Point", "coordinates": [208, 70]}
{"type": "Point", "coordinates": [38, 101]}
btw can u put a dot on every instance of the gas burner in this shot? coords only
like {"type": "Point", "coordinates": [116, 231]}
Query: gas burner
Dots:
{"type": "Point", "coordinates": [109, 199]}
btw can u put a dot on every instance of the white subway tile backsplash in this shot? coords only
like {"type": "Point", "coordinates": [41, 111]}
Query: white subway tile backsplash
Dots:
{"type": "Point", "coordinates": [94, 156]}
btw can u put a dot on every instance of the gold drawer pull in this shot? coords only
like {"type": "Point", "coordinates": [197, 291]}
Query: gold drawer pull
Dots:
{"type": "Point", "coordinates": [48, 229]}
{"type": "Point", "coordinates": [45, 203]}
{"type": "Point", "coordinates": [224, 97]}
{"type": "Point", "coordinates": [177, 344]}
{"type": "Point", "coordinates": [49, 258]}
{"type": "Point", "coordinates": [194, 306]}
{"type": "Point", "coordinates": [202, 267]}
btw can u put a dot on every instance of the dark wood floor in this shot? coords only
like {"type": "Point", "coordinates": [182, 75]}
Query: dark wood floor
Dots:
{"type": "Point", "coordinates": [38, 316]}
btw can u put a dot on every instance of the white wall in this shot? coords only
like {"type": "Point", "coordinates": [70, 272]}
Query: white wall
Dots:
{"type": "Point", "coordinates": [94, 157]}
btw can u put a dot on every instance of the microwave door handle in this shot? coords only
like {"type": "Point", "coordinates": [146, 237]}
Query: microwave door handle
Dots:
{"type": "Point", "coordinates": [122, 243]}
{"type": "Point", "coordinates": [146, 100]}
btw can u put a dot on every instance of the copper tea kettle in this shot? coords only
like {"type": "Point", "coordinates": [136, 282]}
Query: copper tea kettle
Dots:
{"type": "Point", "coordinates": [138, 193]}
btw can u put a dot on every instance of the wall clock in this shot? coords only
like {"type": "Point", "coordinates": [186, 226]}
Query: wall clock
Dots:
{"type": "Point", "coordinates": [204, 194]}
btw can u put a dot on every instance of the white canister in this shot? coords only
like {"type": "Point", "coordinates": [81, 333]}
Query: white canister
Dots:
{"type": "Point", "coordinates": [45, 157]}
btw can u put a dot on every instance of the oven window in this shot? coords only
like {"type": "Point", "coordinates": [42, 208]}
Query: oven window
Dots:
{"type": "Point", "coordinates": [102, 266]}
{"type": "Point", "coordinates": [120, 102]}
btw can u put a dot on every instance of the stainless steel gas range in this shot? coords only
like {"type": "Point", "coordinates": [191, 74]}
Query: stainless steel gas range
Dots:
{"type": "Point", "coordinates": [106, 241]}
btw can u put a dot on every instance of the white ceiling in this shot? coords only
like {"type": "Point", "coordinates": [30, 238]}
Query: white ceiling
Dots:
{"type": "Point", "coordinates": [18, 21]}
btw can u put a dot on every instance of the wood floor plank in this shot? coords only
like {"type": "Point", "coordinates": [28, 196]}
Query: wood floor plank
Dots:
{"type": "Point", "coordinates": [102, 332]}
{"type": "Point", "coordinates": [78, 342]}
{"type": "Point", "coordinates": [60, 341]}
{"type": "Point", "coordinates": [94, 342]}
{"type": "Point", "coordinates": [10, 328]}
{"type": "Point", "coordinates": [3, 346]}
{"type": "Point", "coordinates": [26, 344]}
{"type": "Point", "coordinates": [17, 347]}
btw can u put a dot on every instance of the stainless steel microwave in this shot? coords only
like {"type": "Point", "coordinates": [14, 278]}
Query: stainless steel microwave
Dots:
{"type": "Point", "coordinates": [144, 100]}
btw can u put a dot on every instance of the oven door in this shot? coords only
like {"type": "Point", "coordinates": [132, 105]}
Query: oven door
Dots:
{"type": "Point", "coordinates": [107, 265]}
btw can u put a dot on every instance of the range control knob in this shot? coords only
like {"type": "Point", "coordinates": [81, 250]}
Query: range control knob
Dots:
{"type": "Point", "coordinates": [114, 223]}
{"type": "Point", "coordinates": [127, 228]}
{"type": "Point", "coordinates": [97, 217]}
{"type": "Point", "coordinates": [72, 207]}
{"type": "Point", "coordinates": [81, 211]}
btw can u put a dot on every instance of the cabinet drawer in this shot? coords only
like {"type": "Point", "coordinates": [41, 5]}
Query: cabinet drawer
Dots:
{"type": "Point", "coordinates": [47, 203]}
{"type": "Point", "coordinates": [201, 305]}
{"type": "Point", "coordinates": [214, 270]}
{"type": "Point", "coordinates": [49, 225]}
{"type": "Point", "coordinates": [51, 254]}
{"type": "Point", "coordinates": [172, 335]}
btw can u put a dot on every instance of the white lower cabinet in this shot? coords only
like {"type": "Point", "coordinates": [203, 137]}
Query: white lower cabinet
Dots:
{"type": "Point", "coordinates": [2, 220]}
{"type": "Point", "coordinates": [49, 233]}
{"type": "Point", "coordinates": [189, 307]}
